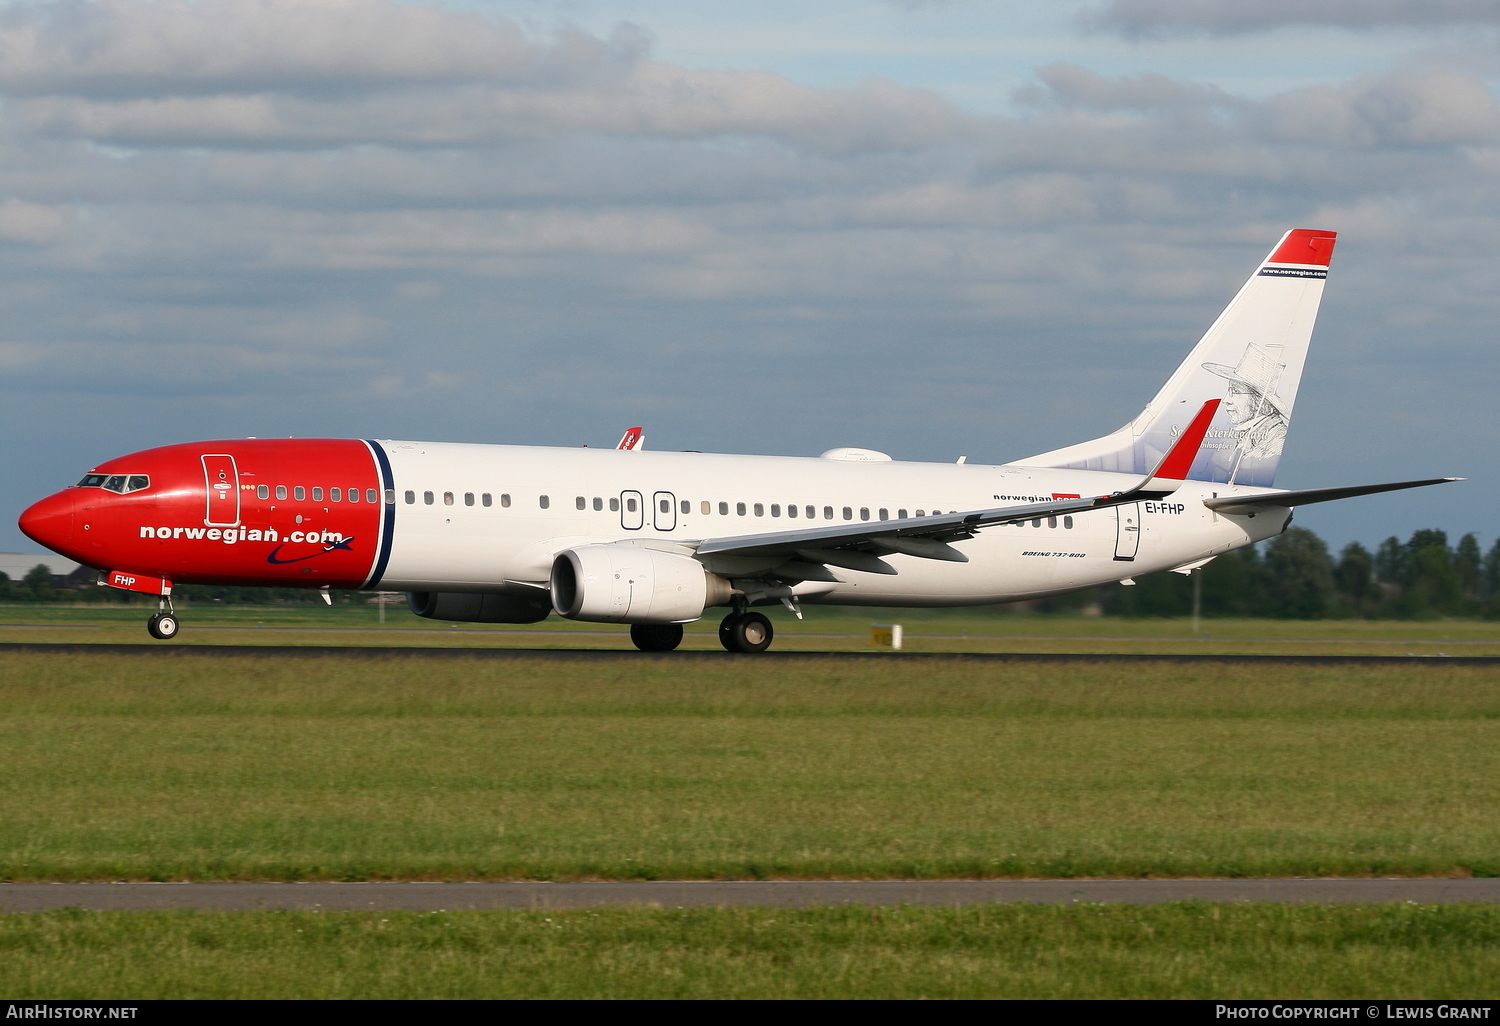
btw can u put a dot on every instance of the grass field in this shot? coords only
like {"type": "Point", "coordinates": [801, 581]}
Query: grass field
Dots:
{"type": "Point", "coordinates": [1172, 951]}
{"type": "Point", "coordinates": [201, 768]}
{"type": "Point", "coordinates": [824, 628]}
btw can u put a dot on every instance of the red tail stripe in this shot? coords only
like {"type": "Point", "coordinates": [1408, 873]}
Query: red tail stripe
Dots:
{"type": "Point", "coordinates": [1305, 246]}
{"type": "Point", "coordinates": [1176, 464]}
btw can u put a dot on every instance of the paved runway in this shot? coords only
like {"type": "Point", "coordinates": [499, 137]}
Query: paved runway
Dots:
{"type": "Point", "coordinates": [427, 897]}
{"type": "Point", "coordinates": [390, 652]}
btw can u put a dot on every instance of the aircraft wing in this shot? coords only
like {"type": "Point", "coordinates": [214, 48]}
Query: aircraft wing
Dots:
{"type": "Point", "coordinates": [1248, 503]}
{"type": "Point", "coordinates": [928, 537]}
{"type": "Point", "coordinates": [860, 546]}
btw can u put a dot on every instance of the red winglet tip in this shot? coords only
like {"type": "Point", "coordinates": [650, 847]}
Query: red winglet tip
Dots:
{"type": "Point", "coordinates": [1305, 246]}
{"type": "Point", "coordinates": [1176, 464]}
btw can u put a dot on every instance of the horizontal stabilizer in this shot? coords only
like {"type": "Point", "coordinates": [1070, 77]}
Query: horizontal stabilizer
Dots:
{"type": "Point", "coordinates": [1232, 504]}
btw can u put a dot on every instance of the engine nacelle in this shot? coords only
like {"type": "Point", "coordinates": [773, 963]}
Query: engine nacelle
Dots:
{"type": "Point", "coordinates": [629, 584]}
{"type": "Point", "coordinates": [476, 608]}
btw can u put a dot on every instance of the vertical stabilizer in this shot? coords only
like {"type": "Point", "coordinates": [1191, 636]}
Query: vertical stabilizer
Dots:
{"type": "Point", "coordinates": [1251, 358]}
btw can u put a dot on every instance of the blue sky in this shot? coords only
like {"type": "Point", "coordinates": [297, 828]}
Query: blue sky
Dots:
{"type": "Point", "coordinates": [929, 228]}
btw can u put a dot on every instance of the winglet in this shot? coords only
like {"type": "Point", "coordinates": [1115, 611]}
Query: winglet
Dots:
{"type": "Point", "coordinates": [1174, 466]}
{"type": "Point", "coordinates": [632, 439]}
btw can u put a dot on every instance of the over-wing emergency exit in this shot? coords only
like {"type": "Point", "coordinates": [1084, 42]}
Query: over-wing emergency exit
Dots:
{"type": "Point", "coordinates": [513, 534]}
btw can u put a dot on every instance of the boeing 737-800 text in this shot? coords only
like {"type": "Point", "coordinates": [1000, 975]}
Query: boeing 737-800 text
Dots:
{"type": "Point", "coordinates": [512, 534]}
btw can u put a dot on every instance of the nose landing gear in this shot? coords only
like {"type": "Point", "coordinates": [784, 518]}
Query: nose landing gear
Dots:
{"type": "Point", "coordinates": [745, 632]}
{"type": "Point", "coordinates": [163, 626]}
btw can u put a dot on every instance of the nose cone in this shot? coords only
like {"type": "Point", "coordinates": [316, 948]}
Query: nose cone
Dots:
{"type": "Point", "coordinates": [50, 522]}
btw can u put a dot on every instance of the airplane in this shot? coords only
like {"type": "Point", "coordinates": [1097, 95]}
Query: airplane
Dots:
{"type": "Point", "coordinates": [514, 534]}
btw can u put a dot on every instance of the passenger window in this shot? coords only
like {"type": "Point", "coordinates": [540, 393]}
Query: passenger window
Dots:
{"type": "Point", "coordinates": [411, 497]}
{"type": "Point", "coordinates": [485, 499]}
{"type": "Point", "coordinates": [739, 509]}
{"type": "Point", "coordinates": [1068, 523]}
{"type": "Point", "coordinates": [614, 505]}
{"type": "Point", "coordinates": [543, 501]}
{"type": "Point", "coordinates": [581, 503]}
{"type": "Point", "coordinates": [447, 498]}
{"type": "Point", "coordinates": [723, 509]}
{"type": "Point", "coordinates": [920, 513]}
{"type": "Point", "coordinates": [262, 491]}
{"type": "Point", "coordinates": [707, 509]}
{"type": "Point", "coordinates": [864, 513]}
{"type": "Point", "coordinates": [848, 513]}
{"type": "Point", "coordinates": [317, 495]}
{"type": "Point", "coordinates": [390, 496]}
{"type": "Point", "coordinates": [791, 511]}
{"type": "Point", "coordinates": [812, 512]}
{"type": "Point", "coordinates": [299, 493]}
{"type": "Point", "coordinates": [687, 507]}
{"type": "Point", "coordinates": [138, 482]}
{"type": "Point", "coordinates": [598, 503]}
{"type": "Point", "coordinates": [900, 514]}
{"type": "Point", "coordinates": [504, 500]}
{"type": "Point", "coordinates": [1052, 522]}
{"type": "Point", "coordinates": [827, 512]}
{"type": "Point", "coordinates": [335, 495]}
{"type": "Point", "coordinates": [281, 491]}
{"type": "Point", "coordinates": [630, 505]}
{"type": "Point", "coordinates": [760, 510]}
{"type": "Point", "coordinates": [468, 498]}
{"type": "Point", "coordinates": [885, 514]}
{"type": "Point", "coordinates": [1037, 522]}
{"type": "Point", "coordinates": [354, 495]}
{"type": "Point", "coordinates": [427, 498]}
{"type": "Point", "coordinates": [775, 510]}
{"type": "Point", "coordinates": [666, 505]}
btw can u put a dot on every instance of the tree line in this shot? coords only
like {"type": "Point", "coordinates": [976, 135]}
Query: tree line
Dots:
{"type": "Point", "coordinates": [1292, 576]}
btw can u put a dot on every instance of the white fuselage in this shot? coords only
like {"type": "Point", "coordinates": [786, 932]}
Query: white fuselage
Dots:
{"type": "Point", "coordinates": [448, 544]}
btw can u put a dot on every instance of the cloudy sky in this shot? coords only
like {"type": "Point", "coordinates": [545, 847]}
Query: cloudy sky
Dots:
{"type": "Point", "coordinates": [932, 228]}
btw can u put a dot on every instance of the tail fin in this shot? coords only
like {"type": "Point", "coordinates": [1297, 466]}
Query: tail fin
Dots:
{"type": "Point", "coordinates": [1251, 358]}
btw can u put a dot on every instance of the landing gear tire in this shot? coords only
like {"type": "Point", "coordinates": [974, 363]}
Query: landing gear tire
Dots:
{"type": "Point", "coordinates": [745, 632]}
{"type": "Point", "coordinates": [656, 637]}
{"type": "Point", "coordinates": [162, 626]}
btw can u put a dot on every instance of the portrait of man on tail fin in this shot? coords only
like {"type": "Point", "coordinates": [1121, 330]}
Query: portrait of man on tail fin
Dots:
{"type": "Point", "coordinates": [1256, 411]}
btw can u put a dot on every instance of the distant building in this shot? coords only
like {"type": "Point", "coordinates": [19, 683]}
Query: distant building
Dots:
{"type": "Point", "coordinates": [65, 572]}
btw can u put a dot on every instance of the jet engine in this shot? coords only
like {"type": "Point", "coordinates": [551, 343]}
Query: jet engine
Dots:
{"type": "Point", "coordinates": [476, 608]}
{"type": "Point", "coordinates": [625, 583]}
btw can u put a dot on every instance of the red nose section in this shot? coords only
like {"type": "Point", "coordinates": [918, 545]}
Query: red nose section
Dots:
{"type": "Point", "coordinates": [50, 522]}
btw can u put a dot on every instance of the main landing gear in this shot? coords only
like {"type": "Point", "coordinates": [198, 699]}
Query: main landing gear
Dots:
{"type": "Point", "coordinates": [656, 637]}
{"type": "Point", "coordinates": [745, 632]}
{"type": "Point", "coordinates": [163, 626]}
{"type": "Point", "coordinates": [740, 632]}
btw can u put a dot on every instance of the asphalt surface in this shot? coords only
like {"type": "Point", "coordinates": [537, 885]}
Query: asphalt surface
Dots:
{"type": "Point", "coordinates": [390, 652]}
{"type": "Point", "coordinates": [427, 897]}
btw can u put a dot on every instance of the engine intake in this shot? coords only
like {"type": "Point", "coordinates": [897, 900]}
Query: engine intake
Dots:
{"type": "Point", "coordinates": [625, 583]}
{"type": "Point", "coordinates": [470, 607]}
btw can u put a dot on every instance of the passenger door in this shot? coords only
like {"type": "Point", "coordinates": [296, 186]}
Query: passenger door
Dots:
{"type": "Point", "coordinates": [223, 483]}
{"type": "Point", "coordinates": [1127, 530]}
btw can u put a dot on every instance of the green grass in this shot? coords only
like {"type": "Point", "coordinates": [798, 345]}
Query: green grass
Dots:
{"type": "Point", "coordinates": [276, 768]}
{"type": "Point", "coordinates": [1189, 950]}
{"type": "Point", "coordinates": [825, 627]}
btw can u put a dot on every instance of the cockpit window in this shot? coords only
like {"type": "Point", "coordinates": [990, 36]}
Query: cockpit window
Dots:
{"type": "Point", "coordinates": [121, 483]}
